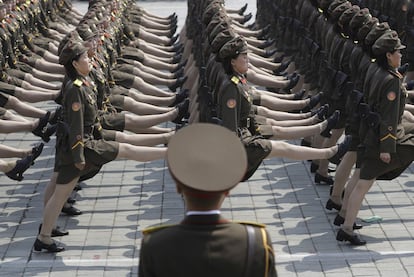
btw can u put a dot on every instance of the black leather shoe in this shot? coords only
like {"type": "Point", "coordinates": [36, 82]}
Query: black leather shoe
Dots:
{"type": "Point", "coordinates": [282, 67]}
{"type": "Point", "coordinates": [180, 97]}
{"type": "Point", "coordinates": [71, 200]}
{"type": "Point", "coordinates": [332, 205]}
{"type": "Point", "coordinates": [178, 83]}
{"type": "Point", "coordinates": [56, 232]}
{"type": "Point", "coordinates": [299, 95]}
{"type": "Point", "coordinates": [71, 211]}
{"type": "Point", "coordinates": [319, 179]}
{"type": "Point", "coordinates": [52, 248]}
{"type": "Point", "coordinates": [178, 47]}
{"type": "Point", "coordinates": [293, 82]}
{"type": "Point", "coordinates": [77, 187]}
{"type": "Point", "coordinates": [314, 100]}
{"type": "Point", "coordinates": [353, 239]}
{"type": "Point", "coordinates": [38, 131]}
{"type": "Point", "coordinates": [180, 65]}
{"type": "Point", "coordinates": [173, 40]}
{"type": "Point", "coordinates": [246, 18]}
{"type": "Point", "coordinates": [36, 151]}
{"type": "Point", "coordinates": [177, 58]}
{"type": "Point", "coordinates": [279, 59]}
{"type": "Point", "coordinates": [182, 111]}
{"type": "Point", "coordinates": [179, 73]}
{"type": "Point", "coordinates": [339, 220]}
{"type": "Point", "coordinates": [267, 43]}
{"type": "Point", "coordinates": [342, 149]}
{"type": "Point", "coordinates": [332, 121]}
{"type": "Point", "coordinates": [242, 9]}
{"type": "Point", "coordinates": [321, 112]}
{"type": "Point", "coordinates": [21, 166]}
{"type": "Point", "coordinates": [269, 53]}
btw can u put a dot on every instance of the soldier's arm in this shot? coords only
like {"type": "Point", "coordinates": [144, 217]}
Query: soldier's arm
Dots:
{"type": "Point", "coordinates": [389, 110]}
{"type": "Point", "coordinates": [228, 105]}
{"type": "Point", "coordinates": [74, 109]}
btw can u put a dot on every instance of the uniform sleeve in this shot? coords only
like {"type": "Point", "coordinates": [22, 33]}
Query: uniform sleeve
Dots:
{"type": "Point", "coordinates": [74, 107]}
{"type": "Point", "coordinates": [389, 110]}
{"type": "Point", "coordinates": [144, 259]}
{"type": "Point", "coordinates": [228, 105]}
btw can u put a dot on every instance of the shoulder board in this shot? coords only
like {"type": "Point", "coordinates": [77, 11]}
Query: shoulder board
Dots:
{"type": "Point", "coordinates": [235, 80]}
{"type": "Point", "coordinates": [396, 74]}
{"type": "Point", "coordinates": [260, 225]}
{"type": "Point", "coordinates": [153, 229]}
{"type": "Point", "coordinates": [77, 82]}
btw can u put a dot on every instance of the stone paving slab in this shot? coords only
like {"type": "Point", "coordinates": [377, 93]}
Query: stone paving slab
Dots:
{"type": "Point", "coordinates": [126, 197]}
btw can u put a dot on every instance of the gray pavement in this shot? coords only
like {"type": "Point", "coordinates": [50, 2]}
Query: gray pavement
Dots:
{"type": "Point", "coordinates": [126, 197]}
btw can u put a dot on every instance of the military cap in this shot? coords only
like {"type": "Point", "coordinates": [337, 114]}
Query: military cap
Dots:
{"type": "Point", "coordinates": [221, 39]}
{"type": "Point", "coordinates": [346, 17]}
{"type": "Point", "coordinates": [206, 157]}
{"type": "Point", "coordinates": [324, 4]}
{"type": "Point", "coordinates": [219, 28]}
{"type": "Point", "coordinates": [336, 12]}
{"type": "Point", "coordinates": [217, 19]}
{"type": "Point", "coordinates": [376, 31]}
{"type": "Point", "coordinates": [70, 52]}
{"type": "Point", "coordinates": [86, 33]}
{"type": "Point", "coordinates": [364, 30]}
{"type": "Point", "coordinates": [359, 19]}
{"type": "Point", "coordinates": [210, 11]}
{"type": "Point", "coordinates": [233, 48]}
{"type": "Point", "coordinates": [388, 42]}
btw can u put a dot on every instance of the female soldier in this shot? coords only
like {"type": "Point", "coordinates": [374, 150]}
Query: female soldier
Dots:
{"type": "Point", "coordinates": [388, 147]}
{"type": "Point", "coordinates": [79, 152]}
{"type": "Point", "coordinates": [235, 109]}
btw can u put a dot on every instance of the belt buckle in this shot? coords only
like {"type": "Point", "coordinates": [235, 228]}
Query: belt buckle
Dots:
{"type": "Point", "coordinates": [248, 122]}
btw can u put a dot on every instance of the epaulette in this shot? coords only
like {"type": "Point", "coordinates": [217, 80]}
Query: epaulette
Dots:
{"type": "Point", "coordinates": [260, 225]}
{"type": "Point", "coordinates": [235, 80]}
{"type": "Point", "coordinates": [153, 229]}
{"type": "Point", "coordinates": [396, 73]}
{"type": "Point", "coordinates": [78, 83]}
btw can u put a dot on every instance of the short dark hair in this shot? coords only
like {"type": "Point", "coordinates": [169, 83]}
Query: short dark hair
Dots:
{"type": "Point", "coordinates": [70, 69]}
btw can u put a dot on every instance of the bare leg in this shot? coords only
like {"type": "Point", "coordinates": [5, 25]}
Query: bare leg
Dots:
{"type": "Point", "coordinates": [296, 152]}
{"type": "Point", "coordinates": [143, 139]}
{"type": "Point", "coordinates": [343, 171]}
{"type": "Point", "coordinates": [134, 123]}
{"type": "Point", "coordinates": [139, 108]}
{"type": "Point", "coordinates": [140, 153]}
{"type": "Point", "coordinates": [324, 164]}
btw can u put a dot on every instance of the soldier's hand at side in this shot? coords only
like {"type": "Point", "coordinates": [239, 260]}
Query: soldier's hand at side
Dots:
{"type": "Point", "coordinates": [80, 166]}
{"type": "Point", "coordinates": [385, 157]}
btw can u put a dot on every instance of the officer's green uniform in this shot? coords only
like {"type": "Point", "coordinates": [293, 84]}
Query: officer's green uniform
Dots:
{"type": "Point", "coordinates": [217, 247]}
{"type": "Point", "coordinates": [205, 244]}
{"type": "Point", "coordinates": [78, 137]}
{"type": "Point", "coordinates": [235, 110]}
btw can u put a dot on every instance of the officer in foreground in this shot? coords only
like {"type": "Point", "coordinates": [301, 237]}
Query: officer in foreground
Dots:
{"type": "Point", "coordinates": [206, 161]}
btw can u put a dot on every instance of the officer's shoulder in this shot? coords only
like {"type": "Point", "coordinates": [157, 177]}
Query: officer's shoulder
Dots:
{"type": "Point", "coordinates": [251, 223]}
{"type": "Point", "coordinates": [78, 82]}
{"type": "Point", "coordinates": [154, 229]}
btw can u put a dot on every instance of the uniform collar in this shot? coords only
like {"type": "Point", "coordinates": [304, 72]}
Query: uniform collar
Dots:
{"type": "Point", "coordinates": [204, 219]}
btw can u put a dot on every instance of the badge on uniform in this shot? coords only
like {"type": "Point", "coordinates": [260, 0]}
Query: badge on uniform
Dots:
{"type": "Point", "coordinates": [76, 106]}
{"type": "Point", "coordinates": [231, 103]}
{"type": "Point", "coordinates": [391, 96]}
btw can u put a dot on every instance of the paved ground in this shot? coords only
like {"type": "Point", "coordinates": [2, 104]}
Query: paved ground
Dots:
{"type": "Point", "coordinates": [129, 196]}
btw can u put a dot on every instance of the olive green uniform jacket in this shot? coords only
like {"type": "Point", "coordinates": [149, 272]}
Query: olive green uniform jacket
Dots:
{"type": "Point", "coordinates": [206, 246]}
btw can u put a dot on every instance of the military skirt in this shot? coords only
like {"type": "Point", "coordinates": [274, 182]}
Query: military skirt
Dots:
{"type": "Point", "coordinates": [96, 152]}
{"type": "Point", "coordinates": [257, 149]}
{"type": "Point", "coordinates": [113, 122]}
